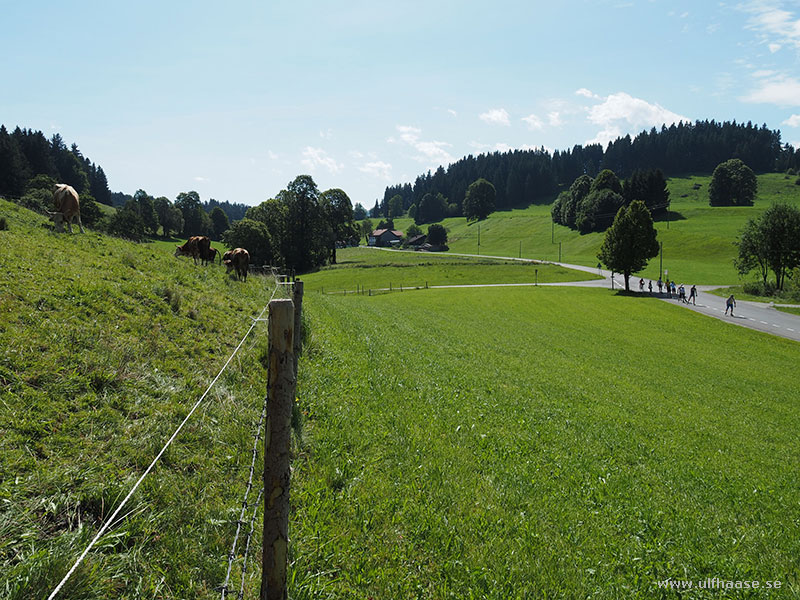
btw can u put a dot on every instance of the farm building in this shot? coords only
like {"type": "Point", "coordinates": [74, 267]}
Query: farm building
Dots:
{"type": "Point", "coordinates": [385, 237]}
{"type": "Point", "coordinates": [417, 240]}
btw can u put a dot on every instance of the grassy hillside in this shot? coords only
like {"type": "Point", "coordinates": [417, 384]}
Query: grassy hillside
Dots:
{"type": "Point", "coordinates": [541, 443]}
{"type": "Point", "coordinates": [104, 347]}
{"type": "Point", "coordinates": [698, 239]}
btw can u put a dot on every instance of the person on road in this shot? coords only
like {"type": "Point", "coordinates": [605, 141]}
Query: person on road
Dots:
{"type": "Point", "coordinates": [693, 295]}
{"type": "Point", "coordinates": [641, 285]}
{"type": "Point", "coordinates": [674, 289]}
{"type": "Point", "coordinates": [650, 286]}
{"type": "Point", "coordinates": [729, 304]}
{"type": "Point", "coordinates": [660, 284]}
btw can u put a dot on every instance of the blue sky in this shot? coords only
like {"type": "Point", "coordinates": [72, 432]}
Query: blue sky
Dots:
{"type": "Point", "coordinates": [234, 99]}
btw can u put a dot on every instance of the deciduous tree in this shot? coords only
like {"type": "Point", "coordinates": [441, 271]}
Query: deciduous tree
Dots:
{"type": "Point", "coordinates": [479, 201]}
{"type": "Point", "coordinates": [771, 241]}
{"type": "Point", "coordinates": [732, 184]}
{"type": "Point", "coordinates": [630, 242]}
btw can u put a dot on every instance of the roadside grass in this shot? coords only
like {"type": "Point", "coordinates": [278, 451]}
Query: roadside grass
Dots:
{"type": "Point", "coordinates": [105, 345]}
{"type": "Point", "coordinates": [373, 269]}
{"type": "Point", "coordinates": [697, 239]}
{"type": "Point", "coordinates": [540, 443]}
{"type": "Point", "coordinates": [789, 309]}
{"type": "Point", "coordinates": [785, 297]}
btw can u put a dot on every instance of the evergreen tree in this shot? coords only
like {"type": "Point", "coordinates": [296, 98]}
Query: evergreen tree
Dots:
{"type": "Point", "coordinates": [14, 171]}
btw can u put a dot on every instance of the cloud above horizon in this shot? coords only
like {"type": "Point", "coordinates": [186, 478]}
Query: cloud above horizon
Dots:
{"type": "Point", "coordinates": [775, 25]}
{"type": "Point", "coordinates": [781, 90]}
{"type": "Point", "coordinates": [317, 157]}
{"type": "Point", "coordinates": [496, 116]}
{"type": "Point", "coordinates": [621, 113]}
{"type": "Point", "coordinates": [378, 168]}
{"type": "Point", "coordinates": [428, 151]}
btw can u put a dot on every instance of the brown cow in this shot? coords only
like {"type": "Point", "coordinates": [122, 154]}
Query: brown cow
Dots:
{"type": "Point", "coordinates": [238, 259]}
{"type": "Point", "coordinates": [196, 246]}
{"type": "Point", "coordinates": [211, 256]}
{"type": "Point", "coordinates": [65, 200]}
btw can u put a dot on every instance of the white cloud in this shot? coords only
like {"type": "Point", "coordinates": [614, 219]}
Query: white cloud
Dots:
{"type": "Point", "coordinates": [622, 112]}
{"type": "Point", "coordinates": [554, 118]}
{"type": "Point", "coordinates": [773, 48]}
{"type": "Point", "coordinates": [378, 168]}
{"type": "Point", "coordinates": [496, 116]}
{"type": "Point", "coordinates": [775, 25]}
{"type": "Point", "coordinates": [429, 151]}
{"type": "Point", "coordinates": [501, 147]}
{"type": "Point", "coordinates": [326, 134]}
{"type": "Point", "coordinates": [793, 121]}
{"type": "Point", "coordinates": [533, 122]}
{"type": "Point", "coordinates": [779, 89]}
{"type": "Point", "coordinates": [200, 179]}
{"type": "Point", "coordinates": [317, 157]}
{"type": "Point", "coordinates": [587, 93]}
{"type": "Point", "coordinates": [272, 155]}
{"type": "Point", "coordinates": [452, 112]}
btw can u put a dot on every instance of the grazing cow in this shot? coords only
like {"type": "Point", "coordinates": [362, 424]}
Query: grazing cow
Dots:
{"type": "Point", "coordinates": [238, 259]}
{"type": "Point", "coordinates": [211, 256]}
{"type": "Point", "coordinates": [65, 200]}
{"type": "Point", "coordinates": [196, 246]}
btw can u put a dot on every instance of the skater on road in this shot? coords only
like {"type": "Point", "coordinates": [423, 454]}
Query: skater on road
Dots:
{"type": "Point", "coordinates": [729, 304]}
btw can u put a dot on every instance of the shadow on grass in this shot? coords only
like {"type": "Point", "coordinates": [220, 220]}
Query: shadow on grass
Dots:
{"type": "Point", "coordinates": [670, 216]}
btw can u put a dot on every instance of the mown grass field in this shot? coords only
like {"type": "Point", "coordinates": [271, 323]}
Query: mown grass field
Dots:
{"type": "Point", "coordinates": [541, 443]}
{"type": "Point", "coordinates": [105, 345]}
{"type": "Point", "coordinates": [376, 269]}
{"type": "Point", "coordinates": [698, 239]}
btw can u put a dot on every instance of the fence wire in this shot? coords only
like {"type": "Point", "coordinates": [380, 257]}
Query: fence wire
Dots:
{"type": "Point", "coordinates": [107, 525]}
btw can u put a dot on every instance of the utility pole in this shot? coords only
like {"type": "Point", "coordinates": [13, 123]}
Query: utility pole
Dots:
{"type": "Point", "coordinates": [559, 251]}
{"type": "Point", "coordinates": [553, 232]}
{"type": "Point", "coordinates": [479, 238]}
{"type": "Point", "coordinates": [661, 260]}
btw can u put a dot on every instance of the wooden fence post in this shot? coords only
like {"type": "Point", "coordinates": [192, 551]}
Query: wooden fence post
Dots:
{"type": "Point", "coordinates": [277, 448]}
{"type": "Point", "coordinates": [298, 322]}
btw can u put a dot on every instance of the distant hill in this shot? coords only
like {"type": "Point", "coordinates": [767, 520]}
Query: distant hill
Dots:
{"type": "Point", "coordinates": [522, 177]}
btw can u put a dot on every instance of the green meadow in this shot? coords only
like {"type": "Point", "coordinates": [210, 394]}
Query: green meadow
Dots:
{"type": "Point", "coordinates": [505, 442]}
{"type": "Point", "coordinates": [540, 443]}
{"type": "Point", "coordinates": [377, 269]}
{"type": "Point", "coordinates": [697, 239]}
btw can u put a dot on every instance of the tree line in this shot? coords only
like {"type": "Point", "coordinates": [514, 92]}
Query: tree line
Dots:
{"type": "Point", "coordinates": [26, 154]}
{"type": "Point", "coordinates": [522, 177]}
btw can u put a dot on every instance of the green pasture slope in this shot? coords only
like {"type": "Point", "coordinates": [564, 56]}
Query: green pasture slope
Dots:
{"type": "Point", "coordinates": [698, 239]}
{"type": "Point", "coordinates": [374, 268]}
{"type": "Point", "coordinates": [541, 443]}
{"type": "Point", "coordinates": [105, 346]}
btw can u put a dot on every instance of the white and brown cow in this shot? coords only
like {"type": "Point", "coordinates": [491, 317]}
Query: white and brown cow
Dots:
{"type": "Point", "coordinates": [238, 259]}
{"type": "Point", "coordinates": [65, 200]}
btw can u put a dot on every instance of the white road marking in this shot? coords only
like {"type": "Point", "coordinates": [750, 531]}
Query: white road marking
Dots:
{"type": "Point", "coordinates": [764, 323]}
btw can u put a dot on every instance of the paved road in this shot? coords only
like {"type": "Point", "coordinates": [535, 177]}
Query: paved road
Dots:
{"type": "Point", "coordinates": [753, 315]}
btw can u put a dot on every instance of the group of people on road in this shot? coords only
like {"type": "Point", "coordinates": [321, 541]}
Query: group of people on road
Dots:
{"type": "Point", "coordinates": [672, 289]}
{"type": "Point", "coordinates": [679, 292]}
